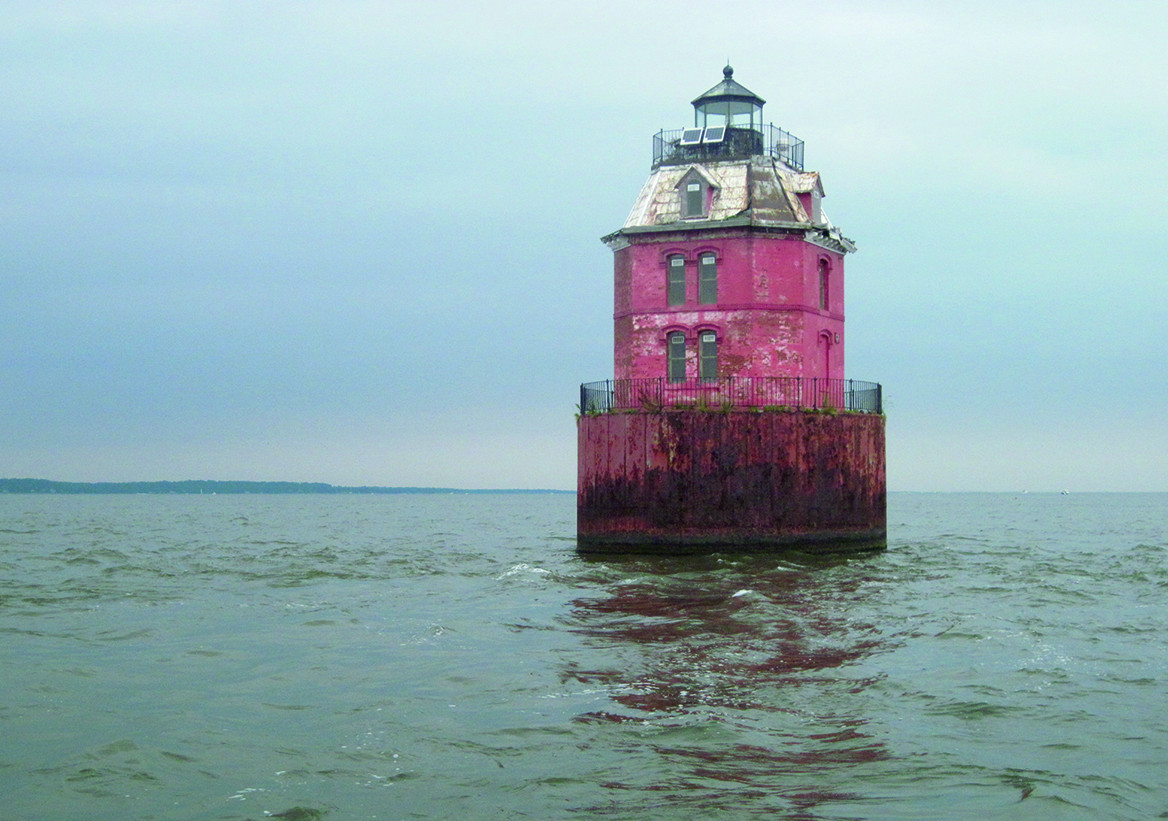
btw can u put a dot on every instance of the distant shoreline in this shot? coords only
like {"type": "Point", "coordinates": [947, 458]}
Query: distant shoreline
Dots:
{"type": "Point", "coordinates": [209, 486]}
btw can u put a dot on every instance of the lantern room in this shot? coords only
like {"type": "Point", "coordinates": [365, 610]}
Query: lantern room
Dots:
{"type": "Point", "coordinates": [729, 104]}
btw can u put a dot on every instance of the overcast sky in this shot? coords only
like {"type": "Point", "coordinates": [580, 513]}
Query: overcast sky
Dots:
{"type": "Point", "coordinates": [358, 242]}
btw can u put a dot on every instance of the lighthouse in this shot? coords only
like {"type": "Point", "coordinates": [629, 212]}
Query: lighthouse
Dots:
{"type": "Point", "coordinates": [729, 423]}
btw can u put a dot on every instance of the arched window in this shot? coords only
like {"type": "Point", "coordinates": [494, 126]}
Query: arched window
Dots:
{"type": "Point", "coordinates": [676, 347]}
{"type": "Point", "coordinates": [708, 356]}
{"type": "Point", "coordinates": [676, 280]}
{"type": "Point", "coordinates": [826, 340]}
{"type": "Point", "coordinates": [707, 279]}
{"type": "Point", "coordinates": [824, 285]}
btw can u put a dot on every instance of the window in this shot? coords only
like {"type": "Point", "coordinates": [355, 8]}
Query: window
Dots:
{"type": "Point", "coordinates": [823, 285]}
{"type": "Point", "coordinates": [676, 288]}
{"type": "Point", "coordinates": [708, 356]}
{"type": "Point", "coordinates": [676, 356]}
{"type": "Point", "coordinates": [707, 279]}
{"type": "Point", "coordinates": [696, 193]}
{"type": "Point", "coordinates": [693, 204]}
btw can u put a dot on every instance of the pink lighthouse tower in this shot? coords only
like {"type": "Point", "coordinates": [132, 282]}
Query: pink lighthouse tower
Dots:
{"type": "Point", "coordinates": [730, 424]}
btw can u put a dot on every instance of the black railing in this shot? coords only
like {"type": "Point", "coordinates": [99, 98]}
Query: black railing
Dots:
{"type": "Point", "coordinates": [737, 143]}
{"type": "Point", "coordinates": [729, 392]}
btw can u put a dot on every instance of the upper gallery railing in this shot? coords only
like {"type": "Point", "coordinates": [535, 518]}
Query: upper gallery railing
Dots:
{"type": "Point", "coordinates": [686, 145]}
{"type": "Point", "coordinates": [729, 392]}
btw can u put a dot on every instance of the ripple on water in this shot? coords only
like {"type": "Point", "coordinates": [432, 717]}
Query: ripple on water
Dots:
{"type": "Point", "coordinates": [264, 657]}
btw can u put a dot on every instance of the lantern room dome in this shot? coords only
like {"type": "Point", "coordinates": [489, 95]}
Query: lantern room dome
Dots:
{"type": "Point", "coordinates": [729, 103]}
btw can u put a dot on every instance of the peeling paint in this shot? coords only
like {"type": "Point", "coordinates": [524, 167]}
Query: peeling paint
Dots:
{"type": "Point", "coordinates": [735, 480]}
{"type": "Point", "coordinates": [768, 323]}
{"type": "Point", "coordinates": [676, 480]}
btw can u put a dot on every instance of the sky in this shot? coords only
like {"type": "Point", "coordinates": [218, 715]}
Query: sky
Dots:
{"type": "Point", "coordinates": [359, 242]}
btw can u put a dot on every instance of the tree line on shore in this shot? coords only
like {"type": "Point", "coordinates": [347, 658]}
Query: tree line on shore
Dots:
{"type": "Point", "coordinates": [207, 486]}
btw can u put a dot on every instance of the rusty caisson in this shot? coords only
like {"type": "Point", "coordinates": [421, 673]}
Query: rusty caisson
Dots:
{"type": "Point", "coordinates": [691, 480]}
{"type": "Point", "coordinates": [730, 425]}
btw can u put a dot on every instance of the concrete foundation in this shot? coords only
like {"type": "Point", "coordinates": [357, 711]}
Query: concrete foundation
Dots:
{"type": "Point", "coordinates": [678, 481]}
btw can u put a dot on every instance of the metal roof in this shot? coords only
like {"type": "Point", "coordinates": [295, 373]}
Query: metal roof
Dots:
{"type": "Point", "coordinates": [758, 192]}
{"type": "Point", "coordinates": [729, 89]}
{"type": "Point", "coordinates": [760, 189]}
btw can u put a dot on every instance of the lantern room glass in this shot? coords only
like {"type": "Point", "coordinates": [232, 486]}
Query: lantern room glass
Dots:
{"type": "Point", "coordinates": [732, 113]}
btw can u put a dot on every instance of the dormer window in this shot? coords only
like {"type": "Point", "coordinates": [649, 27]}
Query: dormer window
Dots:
{"type": "Point", "coordinates": [696, 191]}
{"type": "Point", "coordinates": [694, 200]}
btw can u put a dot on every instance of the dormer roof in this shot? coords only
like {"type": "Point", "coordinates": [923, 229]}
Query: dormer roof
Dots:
{"type": "Point", "coordinates": [805, 183]}
{"type": "Point", "coordinates": [697, 171]}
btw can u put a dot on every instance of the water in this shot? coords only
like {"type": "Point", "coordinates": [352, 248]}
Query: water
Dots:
{"type": "Point", "coordinates": [400, 657]}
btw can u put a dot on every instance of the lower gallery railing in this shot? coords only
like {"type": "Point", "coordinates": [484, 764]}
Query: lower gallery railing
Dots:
{"type": "Point", "coordinates": [755, 392]}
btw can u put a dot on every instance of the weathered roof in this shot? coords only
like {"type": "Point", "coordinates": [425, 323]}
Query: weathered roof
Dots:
{"type": "Point", "coordinates": [805, 183]}
{"type": "Point", "coordinates": [760, 188]}
{"type": "Point", "coordinates": [759, 192]}
{"type": "Point", "coordinates": [659, 202]}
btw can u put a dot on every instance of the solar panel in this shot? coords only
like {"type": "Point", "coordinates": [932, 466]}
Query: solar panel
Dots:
{"type": "Point", "coordinates": [690, 136]}
{"type": "Point", "coordinates": [715, 134]}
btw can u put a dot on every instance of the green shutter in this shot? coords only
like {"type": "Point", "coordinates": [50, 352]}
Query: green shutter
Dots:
{"type": "Point", "coordinates": [676, 280]}
{"type": "Point", "coordinates": [694, 207]}
{"type": "Point", "coordinates": [677, 357]}
{"type": "Point", "coordinates": [708, 356]}
{"type": "Point", "coordinates": [708, 279]}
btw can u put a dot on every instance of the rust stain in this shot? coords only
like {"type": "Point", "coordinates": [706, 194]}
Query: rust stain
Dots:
{"type": "Point", "coordinates": [731, 478]}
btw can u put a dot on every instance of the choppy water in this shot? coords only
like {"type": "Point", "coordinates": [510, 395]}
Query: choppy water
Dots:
{"type": "Point", "coordinates": [399, 657]}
